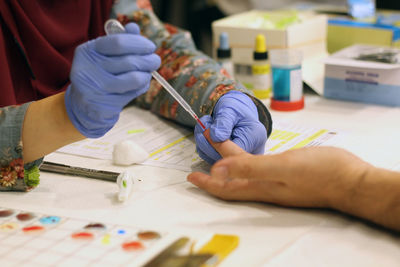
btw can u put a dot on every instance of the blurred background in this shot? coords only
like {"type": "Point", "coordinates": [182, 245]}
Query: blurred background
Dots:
{"type": "Point", "coordinates": [197, 15]}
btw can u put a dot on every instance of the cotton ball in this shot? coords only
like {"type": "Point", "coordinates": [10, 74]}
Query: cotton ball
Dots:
{"type": "Point", "coordinates": [128, 152]}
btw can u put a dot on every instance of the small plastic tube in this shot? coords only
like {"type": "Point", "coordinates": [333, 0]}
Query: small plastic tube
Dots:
{"type": "Point", "coordinates": [125, 185]}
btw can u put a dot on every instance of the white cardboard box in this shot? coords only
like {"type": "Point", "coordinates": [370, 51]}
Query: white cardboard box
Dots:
{"type": "Point", "coordinates": [362, 81]}
{"type": "Point", "coordinates": [307, 33]}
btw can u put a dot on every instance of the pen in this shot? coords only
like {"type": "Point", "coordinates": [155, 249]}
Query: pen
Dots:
{"type": "Point", "coordinates": [77, 171]}
{"type": "Point", "coordinates": [113, 26]}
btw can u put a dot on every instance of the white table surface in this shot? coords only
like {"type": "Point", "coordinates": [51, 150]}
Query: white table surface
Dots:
{"type": "Point", "coordinates": [269, 235]}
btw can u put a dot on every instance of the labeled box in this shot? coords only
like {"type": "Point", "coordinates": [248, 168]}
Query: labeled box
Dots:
{"type": "Point", "coordinates": [305, 31]}
{"type": "Point", "coordinates": [283, 29]}
{"type": "Point", "coordinates": [364, 73]}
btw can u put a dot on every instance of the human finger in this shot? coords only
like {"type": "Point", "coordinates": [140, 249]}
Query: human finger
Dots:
{"type": "Point", "coordinates": [123, 44]}
{"type": "Point", "coordinates": [227, 189]}
{"type": "Point", "coordinates": [129, 81]}
{"type": "Point", "coordinates": [132, 28]}
{"type": "Point", "coordinates": [205, 157]}
{"type": "Point", "coordinates": [251, 137]}
{"type": "Point", "coordinates": [251, 167]}
{"type": "Point", "coordinates": [226, 148]}
{"type": "Point", "coordinates": [203, 147]}
{"type": "Point", "coordinates": [122, 64]}
{"type": "Point", "coordinates": [223, 124]}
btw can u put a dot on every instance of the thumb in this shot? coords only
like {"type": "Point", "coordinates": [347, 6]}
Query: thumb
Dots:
{"type": "Point", "coordinates": [222, 127]}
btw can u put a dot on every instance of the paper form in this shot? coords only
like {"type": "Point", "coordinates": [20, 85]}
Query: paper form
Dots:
{"type": "Point", "coordinates": [287, 136]}
{"type": "Point", "coordinates": [172, 146]}
{"type": "Point", "coordinates": [168, 144]}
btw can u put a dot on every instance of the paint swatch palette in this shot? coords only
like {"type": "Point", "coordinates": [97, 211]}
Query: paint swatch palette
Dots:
{"type": "Point", "coordinates": [33, 239]}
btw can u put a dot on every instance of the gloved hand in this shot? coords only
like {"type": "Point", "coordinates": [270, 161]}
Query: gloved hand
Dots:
{"type": "Point", "coordinates": [234, 117]}
{"type": "Point", "coordinates": [107, 73]}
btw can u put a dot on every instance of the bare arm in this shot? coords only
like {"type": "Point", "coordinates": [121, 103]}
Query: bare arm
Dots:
{"type": "Point", "coordinates": [47, 127]}
{"type": "Point", "coordinates": [375, 197]}
{"type": "Point", "coordinates": [324, 177]}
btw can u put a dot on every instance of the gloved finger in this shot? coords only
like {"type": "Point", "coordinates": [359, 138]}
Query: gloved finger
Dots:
{"type": "Point", "coordinates": [224, 122]}
{"type": "Point", "coordinates": [251, 138]}
{"type": "Point", "coordinates": [123, 44]}
{"type": "Point", "coordinates": [206, 120]}
{"type": "Point", "coordinates": [204, 148]}
{"type": "Point", "coordinates": [102, 115]}
{"type": "Point", "coordinates": [209, 160]}
{"type": "Point", "coordinates": [122, 64]}
{"type": "Point", "coordinates": [117, 101]}
{"type": "Point", "coordinates": [132, 28]}
{"type": "Point", "coordinates": [133, 80]}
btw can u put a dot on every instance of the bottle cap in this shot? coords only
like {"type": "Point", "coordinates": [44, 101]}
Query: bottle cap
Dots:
{"type": "Point", "coordinates": [224, 51]}
{"type": "Point", "coordinates": [260, 52]}
{"type": "Point", "coordinates": [287, 105]}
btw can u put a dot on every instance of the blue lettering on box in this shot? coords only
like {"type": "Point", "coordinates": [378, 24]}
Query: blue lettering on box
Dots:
{"type": "Point", "coordinates": [361, 91]}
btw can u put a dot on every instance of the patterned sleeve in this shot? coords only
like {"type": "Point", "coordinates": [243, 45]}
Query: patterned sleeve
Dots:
{"type": "Point", "coordinates": [14, 175]}
{"type": "Point", "coordinates": [198, 78]}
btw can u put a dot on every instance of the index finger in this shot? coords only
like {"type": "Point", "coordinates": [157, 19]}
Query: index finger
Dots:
{"type": "Point", "coordinates": [226, 148]}
{"type": "Point", "coordinates": [124, 44]}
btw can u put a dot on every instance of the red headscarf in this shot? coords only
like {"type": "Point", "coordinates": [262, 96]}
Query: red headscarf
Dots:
{"type": "Point", "coordinates": [37, 43]}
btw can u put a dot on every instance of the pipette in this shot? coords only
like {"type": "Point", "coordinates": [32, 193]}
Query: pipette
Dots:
{"type": "Point", "coordinates": [114, 26]}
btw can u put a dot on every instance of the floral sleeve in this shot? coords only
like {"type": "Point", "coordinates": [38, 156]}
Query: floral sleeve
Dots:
{"type": "Point", "coordinates": [198, 78]}
{"type": "Point", "coordinates": [14, 175]}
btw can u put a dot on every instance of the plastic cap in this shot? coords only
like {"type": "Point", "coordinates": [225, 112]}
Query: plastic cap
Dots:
{"type": "Point", "coordinates": [260, 44]}
{"type": "Point", "coordinates": [224, 41]}
{"type": "Point", "coordinates": [287, 105]}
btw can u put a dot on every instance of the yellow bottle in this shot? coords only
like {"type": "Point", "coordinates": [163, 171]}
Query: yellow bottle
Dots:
{"type": "Point", "coordinates": [261, 70]}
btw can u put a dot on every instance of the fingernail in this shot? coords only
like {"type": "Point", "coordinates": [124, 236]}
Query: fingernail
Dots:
{"type": "Point", "coordinates": [220, 172]}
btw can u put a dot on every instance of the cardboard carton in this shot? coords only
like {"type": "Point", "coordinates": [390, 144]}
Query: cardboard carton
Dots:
{"type": "Point", "coordinates": [283, 29]}
{"type": "Point", "coordinates": [348, 78]}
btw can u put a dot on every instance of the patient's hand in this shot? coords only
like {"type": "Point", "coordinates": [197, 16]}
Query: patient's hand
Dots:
{"type": "Point", "coordinates": [308, 177]}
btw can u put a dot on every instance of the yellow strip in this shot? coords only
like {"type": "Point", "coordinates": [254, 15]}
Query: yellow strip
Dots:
{"type": "Point", "coordinates": [281, 134]}
{"type": "Point", "coordinates": [169, 145]}
{"type": "Point", "coordinates": [309, 139]}
{"type": "Point", "coordinates": [283, 142]}
{"type": "Point", "coordinates": [136, 131]}
{"type": "Point", "coordinates": [274, 134]}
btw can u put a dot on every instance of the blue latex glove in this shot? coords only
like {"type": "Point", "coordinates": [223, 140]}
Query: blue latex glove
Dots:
{"type": "Point", "coordinates": [234, 117]}
{"type": "Point", "coordinates": [107, 73]}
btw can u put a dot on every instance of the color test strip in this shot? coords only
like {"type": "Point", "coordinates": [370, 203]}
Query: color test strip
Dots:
{"type": "Point", "coordinates": [60, 240]}
{"type": "Point", "coordinates": [170, 145]}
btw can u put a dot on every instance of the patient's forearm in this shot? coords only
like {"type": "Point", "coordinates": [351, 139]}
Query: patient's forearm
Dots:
{"type": "Point", "coordinates": [46, 128]}
{"type": "Point", "coordinates": [376, 197]}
